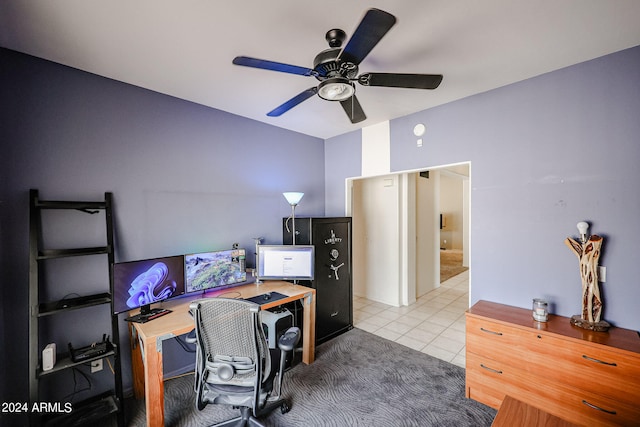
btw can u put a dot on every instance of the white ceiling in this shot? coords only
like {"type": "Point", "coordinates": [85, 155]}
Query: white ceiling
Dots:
{"type": "Point", "coordinates": [184, 48]}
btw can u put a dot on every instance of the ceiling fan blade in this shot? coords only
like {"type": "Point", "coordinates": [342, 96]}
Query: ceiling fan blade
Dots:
{"type": "Point", "coordinates": [271, 65]}
{"type": "Point", "coordinates": [411, 81]}
{"type": "Point", "coordinates": [353, 109]}
{"type": "Point", "coordinates": [302, 96]}
{"type": "Point", "coordinates": [375, 24]}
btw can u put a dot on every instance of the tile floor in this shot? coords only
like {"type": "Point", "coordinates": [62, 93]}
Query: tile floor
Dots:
{"type": "Point", "coordinates": [434, 324]}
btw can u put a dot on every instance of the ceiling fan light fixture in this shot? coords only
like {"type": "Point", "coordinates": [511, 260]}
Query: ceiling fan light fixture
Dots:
{"type": "Point", "coordinates": [336, 89]}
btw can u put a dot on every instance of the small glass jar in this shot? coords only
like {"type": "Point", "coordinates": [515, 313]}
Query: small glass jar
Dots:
{"type": "Point", "coordinates": [540, 312]}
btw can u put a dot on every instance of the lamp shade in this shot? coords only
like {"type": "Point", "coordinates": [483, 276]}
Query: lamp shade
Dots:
{"type": "Point", "coordinates": [582, 227]}
{"type": "Point", "coordinates": [293, 197]}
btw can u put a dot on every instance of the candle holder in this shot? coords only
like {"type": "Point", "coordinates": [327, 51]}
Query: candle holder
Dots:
{"type": "Point", "coordinates": [540, 310]}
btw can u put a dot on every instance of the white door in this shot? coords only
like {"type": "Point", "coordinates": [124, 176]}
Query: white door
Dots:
{"type": "Point", "coordinates": [376, 243]}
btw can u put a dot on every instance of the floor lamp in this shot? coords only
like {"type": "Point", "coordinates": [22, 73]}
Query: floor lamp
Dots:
{"type": "Point", "coordinates": [293, 198]}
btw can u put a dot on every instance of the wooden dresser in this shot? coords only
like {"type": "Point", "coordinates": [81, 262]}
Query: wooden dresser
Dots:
{"type": "Point", "coordinates": [588, 378]}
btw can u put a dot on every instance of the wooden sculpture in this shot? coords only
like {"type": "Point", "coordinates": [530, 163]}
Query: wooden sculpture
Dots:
{"type": "Point", "coordinates": [588, 253]}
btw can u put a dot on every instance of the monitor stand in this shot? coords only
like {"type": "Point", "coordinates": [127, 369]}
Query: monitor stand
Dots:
{"type": "Point", "coordinates": [147, 313]}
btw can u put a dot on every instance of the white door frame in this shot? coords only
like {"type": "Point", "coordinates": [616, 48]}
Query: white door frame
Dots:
{"type": "Point", "coordinates": [406, 267]}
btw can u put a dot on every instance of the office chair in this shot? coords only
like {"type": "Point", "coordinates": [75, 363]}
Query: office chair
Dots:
{"type": "Point", "coordinates": [234, 365]}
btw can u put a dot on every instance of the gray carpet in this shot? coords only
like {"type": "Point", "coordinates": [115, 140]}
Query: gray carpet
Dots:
{"type": "Point", "coordinates": [358, 379]}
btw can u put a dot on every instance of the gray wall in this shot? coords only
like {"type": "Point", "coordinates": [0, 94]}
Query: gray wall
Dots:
{"type": "Point", "coordinates": [185, 178]}
{"type": "Point", "coordinates": [545, 154]}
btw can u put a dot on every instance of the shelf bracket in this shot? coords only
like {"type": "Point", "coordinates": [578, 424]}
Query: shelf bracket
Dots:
{"type": "Point", "coordinates": [90, 212]}
{"type": "Point", "coordinates": [308, 298]}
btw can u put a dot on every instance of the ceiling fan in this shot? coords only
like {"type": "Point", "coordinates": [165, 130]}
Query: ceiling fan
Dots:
{"type": "Point", "coordinates": [337, 68]}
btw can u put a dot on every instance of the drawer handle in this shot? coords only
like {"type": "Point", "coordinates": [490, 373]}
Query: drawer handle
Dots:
{"type": "Point", "coordinates": [490, 332]}
{"type": "Point", "coordinates": [591, 359]}
{"type": "Point", "coordinates": [490, 369]}
{"type": "Point", "coordinates": [591, 405]}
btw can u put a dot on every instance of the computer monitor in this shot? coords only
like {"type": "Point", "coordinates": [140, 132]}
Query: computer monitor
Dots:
{"type": "Point", "coordinates": [138, 284]}
{"type": "Point", "coordinates": [285, 262]}
{"type": "Point", "coordinates": [215, 270]}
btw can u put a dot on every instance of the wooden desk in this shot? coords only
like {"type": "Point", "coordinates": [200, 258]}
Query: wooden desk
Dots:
{"type": "Point", "coordinates": [146, 338]}
{"type": "Point", "coordinates": [516, 413]}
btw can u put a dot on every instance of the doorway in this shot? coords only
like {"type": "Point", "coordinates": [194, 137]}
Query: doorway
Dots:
{"type": "Point", "coordinates": [454, 229]}
{"type": "Point", "coordinates": [397, 230]}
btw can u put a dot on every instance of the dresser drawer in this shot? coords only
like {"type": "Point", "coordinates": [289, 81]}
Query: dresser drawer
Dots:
{"type": "Point", "coordinates": [502, 342]}
{"type": "Point", "coordinates": [491, 380]}
{"type": "Point", "coordinates": [568, 361]}
{"type": "Point", "coordinates": [611, 373]}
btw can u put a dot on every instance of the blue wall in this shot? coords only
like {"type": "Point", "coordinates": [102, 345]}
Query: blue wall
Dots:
{"type": "Point", "coordinates": [343, 159]}
{"type": "Point", "coordinates": [185, 178]}
{"type": "Point", "coordinates": [545, 154]}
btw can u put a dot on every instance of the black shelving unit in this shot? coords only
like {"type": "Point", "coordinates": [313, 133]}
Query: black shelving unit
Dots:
{"type": "Point", "coordinates": [103, 404]}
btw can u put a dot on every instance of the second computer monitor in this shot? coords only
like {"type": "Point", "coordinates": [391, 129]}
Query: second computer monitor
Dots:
{"type": "Point", "coordinates": [215, 270]}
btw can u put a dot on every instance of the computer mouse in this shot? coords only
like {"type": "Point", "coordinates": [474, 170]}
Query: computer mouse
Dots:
{"type": "Point", "coordinates": [267, 296]}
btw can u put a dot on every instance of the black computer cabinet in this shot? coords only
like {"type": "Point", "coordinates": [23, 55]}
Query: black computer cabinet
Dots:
{"type": "Point", "coordinates": [334, 294]}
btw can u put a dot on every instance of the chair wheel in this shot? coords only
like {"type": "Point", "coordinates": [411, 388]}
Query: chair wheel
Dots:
{"type": "Point", "coordinates": [284, 408]}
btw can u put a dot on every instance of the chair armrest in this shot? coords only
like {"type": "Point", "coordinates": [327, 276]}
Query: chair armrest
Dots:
{"type": "Point", "coordinates": [191, 337]}
{"type": "Point", "coordinates": [289, 339]}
